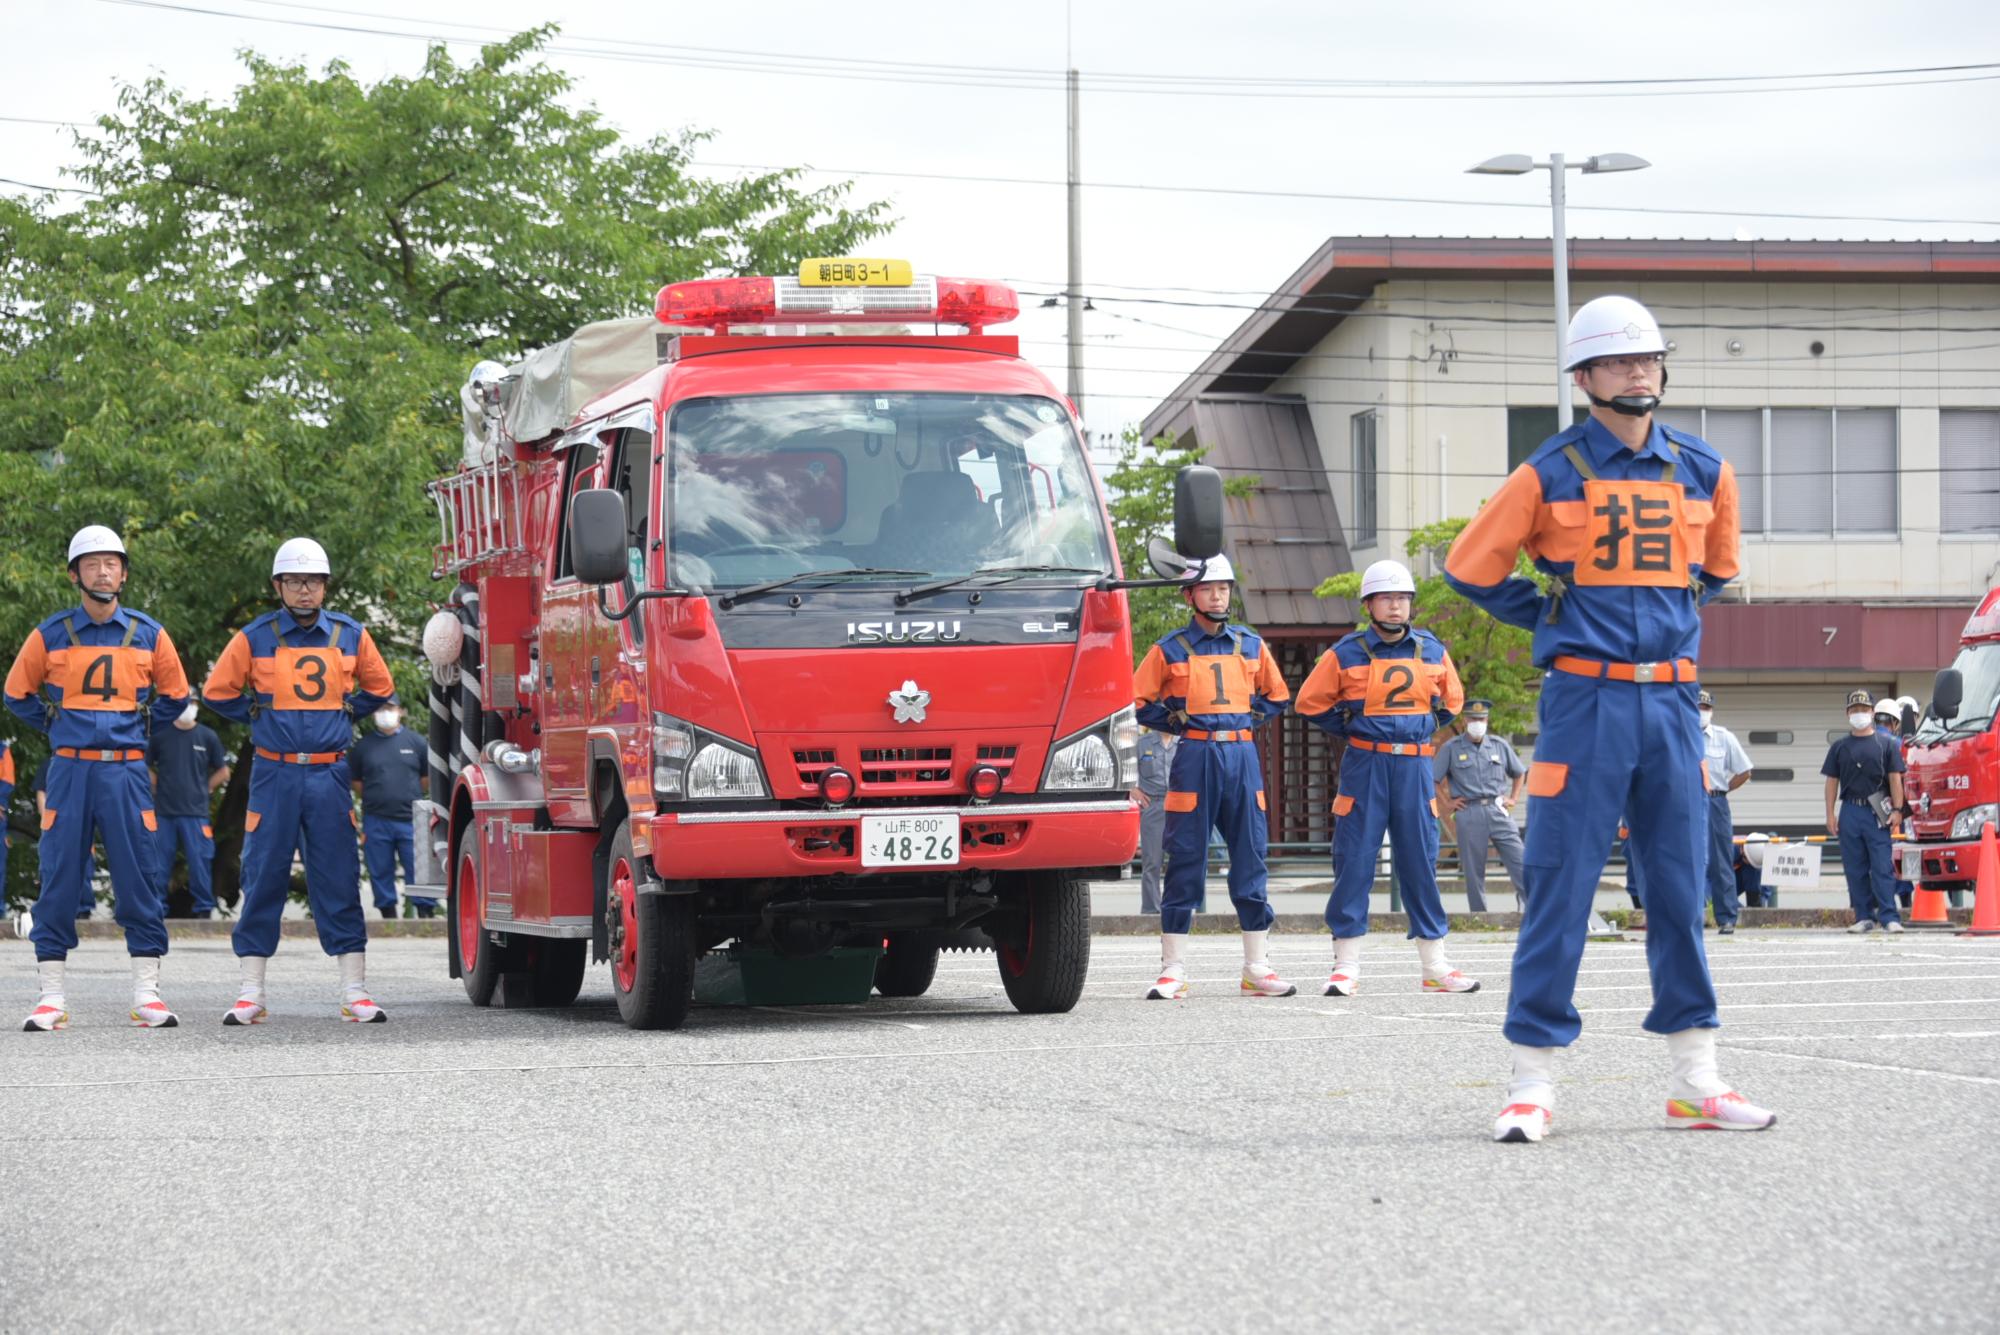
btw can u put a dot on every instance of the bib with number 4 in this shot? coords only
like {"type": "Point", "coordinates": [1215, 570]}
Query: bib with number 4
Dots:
{"type": "Point", "coordinates": [100, 677]}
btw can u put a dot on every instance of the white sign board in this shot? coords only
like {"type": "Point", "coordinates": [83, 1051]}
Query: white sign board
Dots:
{"type": "Point", "coordinates": [1792, 865]}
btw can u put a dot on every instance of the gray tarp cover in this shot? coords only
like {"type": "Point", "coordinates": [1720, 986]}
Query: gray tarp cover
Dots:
{"type": "Point", "coordinates": [548, 386]}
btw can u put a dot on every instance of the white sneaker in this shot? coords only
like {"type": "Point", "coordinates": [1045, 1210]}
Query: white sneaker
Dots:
{"type": "Point", "coordinates": [1522, 1124]}
{"type": "Point", "coordinates": [152, 1013]}
{"type": "Point", "coordinates": [1865, 925]}
{"type": "Point", "coordinates": [1168, 987]}
{"type": "Point", "coordinates": [362, 1010]}
{"type": "Point", "coordinates": [1451, 982]}
{"type": "Point", "coordinates": [247, 1010]}
{"type": "Point", "coordinates": [1726, 1112]}
{"type": "Point", "coordinates": [1261, 980]}
{"type": "Point", "coordinates": [1892, 926]}
{"type": "Point", "coordinates": [45, 1018]}
{"type": "Point", "coordinates": [1342, 983]}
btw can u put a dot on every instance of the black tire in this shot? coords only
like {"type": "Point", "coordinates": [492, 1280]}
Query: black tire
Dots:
{"type": "Point", "coordinates": [482, 961]}
{"type": "Point", "coordinates": [542, 972]}
{"type": "Point", "coordinates": [652, 944]}
{"type": "Point", "coordinates": [1045, 952]}
{"type": "Point", "coordinates": [907, 969]}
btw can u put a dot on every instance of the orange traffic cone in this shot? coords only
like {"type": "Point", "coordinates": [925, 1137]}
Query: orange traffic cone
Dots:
{"type": "Point", "coordinates": [1927, 909]}
{"type": "Point", "coordinates": [1986, 894]}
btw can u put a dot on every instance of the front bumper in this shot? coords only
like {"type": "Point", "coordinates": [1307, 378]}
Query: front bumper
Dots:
{"type": "Point", "coordinates": [1946, 865]}
{"type": "Point", "coordinates": [1000, 836]}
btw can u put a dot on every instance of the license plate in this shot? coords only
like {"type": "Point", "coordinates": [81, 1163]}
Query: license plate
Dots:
{"type": "Point", "coordinates": [856, 273]}
{"type": "Point", "coordinates": [909, 841]}
{"type": "Point", "coordinates": [1913, 863]}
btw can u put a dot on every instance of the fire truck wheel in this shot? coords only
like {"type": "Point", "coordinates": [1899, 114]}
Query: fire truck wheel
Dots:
{"type": "Point", "coordinates": [652, 945]}
{"type": "Point", "coordinates": [481, 960]}
{"type": "Point", "coordinates": [543, 973]}
{"type": "Point", "coordinates": [906, 969]}
{"type": "Point", "coordinates": [1045, 949]}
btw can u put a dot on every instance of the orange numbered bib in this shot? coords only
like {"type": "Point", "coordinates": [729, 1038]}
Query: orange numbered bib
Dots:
{"type": "Point", "coordinates": [100, 677]}
{"type": "Point", "coordinates": [304, 678]}
{"type": "Point", "coordinates": [1218, 684]}
{"type": "Point", "coordinates": [1396, 686]}
{"type": "Point", "coordinates": [1635, 534]}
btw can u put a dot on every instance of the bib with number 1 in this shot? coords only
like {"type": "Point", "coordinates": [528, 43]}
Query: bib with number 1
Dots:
{"type": "Point", "coordinates": [1218, 684]}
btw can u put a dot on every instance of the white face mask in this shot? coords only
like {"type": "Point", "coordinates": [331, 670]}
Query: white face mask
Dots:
{"type": "Point", "coordinates": [1860, 722]}
{"type": "Point", "coordinates": [1476, 730]}
{"type": "Point", "coordinates": [388, 720]}
{"type": "Point", "coordinates": [1707, 717]}
{"type": "Point", "coordinates": [186, 721]}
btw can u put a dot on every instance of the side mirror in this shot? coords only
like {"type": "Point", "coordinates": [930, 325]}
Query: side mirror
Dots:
{"type": "Point", "coordinates": [1165, 561]}
{"type": "Point", "coordinates": [1198, 512]}
{"type": "Point", "coordinates": [1947, 694]}
{"type": "Point", "coordinates": [597, 536]}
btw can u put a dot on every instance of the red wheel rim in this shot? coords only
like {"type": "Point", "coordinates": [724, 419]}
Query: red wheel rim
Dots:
{"type": "Point", "coordinates": [625, 964]}
{"type": "Point", "coordinates": [469, 914]}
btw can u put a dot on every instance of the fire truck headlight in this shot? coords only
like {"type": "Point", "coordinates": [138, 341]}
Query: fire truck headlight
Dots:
{"type": "Point", "coordinates": [1086, 762]}
{"type": "Point", "coordinates": [1966, 824]}
{"type": "Point", "coordinates": [1125, 734]}
{"type": "Point", "coordinates": [723, 771]}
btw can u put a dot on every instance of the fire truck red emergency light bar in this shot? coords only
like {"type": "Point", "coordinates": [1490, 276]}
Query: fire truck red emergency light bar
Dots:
{"type": "Point", "coordinates": [718, 303]}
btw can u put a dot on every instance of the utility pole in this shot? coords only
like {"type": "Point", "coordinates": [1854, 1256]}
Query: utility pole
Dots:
{"type": "Point", "coordinates": [1073, 296]}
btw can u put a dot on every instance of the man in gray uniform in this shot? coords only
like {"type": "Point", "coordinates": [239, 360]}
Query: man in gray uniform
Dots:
{"type": "Point", "coordinates": [1156, 757]}
{"type": "Point", "coordinates": [1479, 779]}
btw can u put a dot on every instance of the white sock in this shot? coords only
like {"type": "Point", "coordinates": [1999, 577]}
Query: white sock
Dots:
{"type": "Point", "coordinates": [49, 973]}
{"type": "Point", "coordinates": [252, 968]}
{"type": "Point", "coordinates": [1347, 955]}
{"type": "Point", "coordinates": [1695, 1075]}
{"type": "Point", "coordinates": [145, 979]}
{"type": "Point", "coordinates": [1173, 953]}
{"type": "Point", "coordinates": [1432, 955]}
{"type": "Point", "coordinates": [1534, 1079]}
{"type": "Point", "coordinates": [354, 975]}
{"type": "Point", "coordinates": [1255, 951]}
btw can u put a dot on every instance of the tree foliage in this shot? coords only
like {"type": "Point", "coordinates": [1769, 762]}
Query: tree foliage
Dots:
{"type": "Point", "coordinates": [255, 328]}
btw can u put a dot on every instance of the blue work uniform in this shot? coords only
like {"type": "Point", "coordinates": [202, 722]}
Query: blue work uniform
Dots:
{"type": "Point", "coordinates": [1861, 764]}
{"type": "Point", "coordinates": [86, 902]}
{"type": "Point", "coordinates": [184, 761]}
{"type": "Point", "coordinates": [1212, 690]}
{"type": "Point", "coordinates": [1635, 540]}
{"type": "Point", "coordinates": [299, 686]}
{"type": "Point", "coordinates": [1723, 758]}
{"type": "Point", "coordinates": [1385, 700]}
{"type": "Point", "coordinates": [100, 679]}
{"type": "Point", "coordinates": [389, 767]}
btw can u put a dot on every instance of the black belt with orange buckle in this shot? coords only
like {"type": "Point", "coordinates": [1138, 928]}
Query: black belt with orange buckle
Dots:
{"type": "Point", "coordinates": [1674, 671]}
{"type": "Point", "coordinates": [73, 753]}
{"type": "Point", "coordinates": [300, 757]}
{"type": "Point", "coordinates": [1394, 748]}
{"type": "Point", "coordinates": [1227, 735]}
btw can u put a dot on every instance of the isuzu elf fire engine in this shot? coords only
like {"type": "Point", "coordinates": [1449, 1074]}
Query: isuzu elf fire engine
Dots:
{"type": "Point", "coordinates": [785, 640]}
{"type": "Point", "coordinates": [1954, 760]}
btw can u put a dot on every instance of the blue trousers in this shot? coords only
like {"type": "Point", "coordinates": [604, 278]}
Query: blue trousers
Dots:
{"type": "Point", "coordinates": [309, 808]}
{"type": "Point", "coordinates": [111, 801]}
{"type": "Point", "coordinates": [1215, 784]}
{"type": "Point", "coordinates": [1608, 747]}
{"type": "Point", "coordinates": [1382, 793]}
{"type": "Point", "coordinates": [384, 842]}
{"type": "Point", "coordinates": [191, 837]}
{"type": "Point", "coordinates": [1867, 855]}
{"type": "Point", "coordinates": [1722, 859]}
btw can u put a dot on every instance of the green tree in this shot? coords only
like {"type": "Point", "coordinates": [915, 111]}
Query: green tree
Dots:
{"type": "Point", "coordinates": [1142, 508]}
{"type": "Point", "coordinates": [256, 327]}
{"type": "Point", "coordinates": [1492, 657]}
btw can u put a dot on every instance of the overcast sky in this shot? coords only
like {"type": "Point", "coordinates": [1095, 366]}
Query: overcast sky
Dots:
{"type": "Point", "coordinates": [1924, 151]}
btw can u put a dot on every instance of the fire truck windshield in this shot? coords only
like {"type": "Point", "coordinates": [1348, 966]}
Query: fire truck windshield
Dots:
{"type": "Point", "coordinates": [1979, 665]}
{"type": "Point", "coordinates": [764, 487]}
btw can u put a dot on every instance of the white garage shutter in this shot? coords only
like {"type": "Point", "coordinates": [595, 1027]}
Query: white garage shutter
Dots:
{"type": "Point", "coordinates": [1784, 728]}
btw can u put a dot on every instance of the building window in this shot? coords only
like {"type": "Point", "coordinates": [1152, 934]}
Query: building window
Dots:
{"type": "Point", "coordinates": [1361, 434]}
{"type": "Point", "coordinates": [1969, 471]}
{"type": "Point", "coordinates": [1738, 436]}
{"type": "Point", "coordinates": [1527, 429]}
{"type": "Point", "coordinates": [1804, 470]}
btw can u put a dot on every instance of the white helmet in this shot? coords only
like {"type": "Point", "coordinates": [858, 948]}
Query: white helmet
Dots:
{"type": "Point", "coordinates": [1212, 571]}
{"type": "Point", "coordinates": [1909, 702]}
{"type": "Point", "coordinates": [300, 556]}
{"type": "Point", "coordinates": [1386, 577]}
{"type": "Point", "coordinates": [1754, 847]}
{"type": "Point", "coordinates": [93, 539]}
{"type": "Point", "coordinates": [1611, 327]}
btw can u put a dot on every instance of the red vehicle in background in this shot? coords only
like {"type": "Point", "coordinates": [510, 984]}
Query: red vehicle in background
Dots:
{"type": "Point", "coordinates": [783, 629]}
{"type": "Point", "coordinates": [1954, 760]}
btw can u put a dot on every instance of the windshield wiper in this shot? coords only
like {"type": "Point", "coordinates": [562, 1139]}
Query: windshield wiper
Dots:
{"type": "Point", "coordinates": [749, 591]}
{"type": "Point", "coordinates": [998, 574]}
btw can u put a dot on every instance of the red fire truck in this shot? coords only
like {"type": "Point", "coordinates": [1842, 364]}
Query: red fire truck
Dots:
{"type": "Point", "coordinates": [783, 637]}
{"type": "Point", "coordinates": [1954, 760]}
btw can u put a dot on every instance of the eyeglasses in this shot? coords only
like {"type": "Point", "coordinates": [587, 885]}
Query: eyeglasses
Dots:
{"type": "Point", "coordinates": [1644, 361]}
{"type": "Point", "coordinates": [302, 583]}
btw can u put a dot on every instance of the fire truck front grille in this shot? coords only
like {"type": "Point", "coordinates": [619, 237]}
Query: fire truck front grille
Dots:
{"type": "Point", "coordinates": [906, 764]}
{"type": "Point", "coordinates": [811, 765]}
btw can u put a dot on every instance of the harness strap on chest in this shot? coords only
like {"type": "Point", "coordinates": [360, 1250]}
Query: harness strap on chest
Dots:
{"type": "Point", "coordinates": [1560, 589]}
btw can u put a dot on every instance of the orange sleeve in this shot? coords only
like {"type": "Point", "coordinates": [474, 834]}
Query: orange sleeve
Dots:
{"type": "Point", "coordinates": [1270, 681]}
{"type": "Point", "coordinates": [1148, 681]}
{"type": "Point", "coordinates": [370, 670]}
{"type": "Point", "coordinates": [6, 764]}
{"type": "Point", "coordinates": [1322, 689]}
{"type": "Point", "coordinates": [169, 677]}
{"type": "Point", "coordinates": [1454, 690]}
{"type": "Point", "coordinates": [31, 667]}
{"type": "Point", "coordinates": [231, 672]}
{"type": "Point", "coordinates": [1484, 553]}
{"type": "Point", "coordinates": [1725, 530]}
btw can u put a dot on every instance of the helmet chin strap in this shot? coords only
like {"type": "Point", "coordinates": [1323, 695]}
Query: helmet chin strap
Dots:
{"type": "Point", "coordinates": [1630, 405]}
{"type": "Point", "coordinates": [1390, 630]}
{"type": "Point", "coordinates": [111, 597]}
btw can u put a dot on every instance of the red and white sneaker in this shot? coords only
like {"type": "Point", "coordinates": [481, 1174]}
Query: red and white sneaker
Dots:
{"type": "Point", "coordinates": [1261, 980]}
{"type": "Point", "coordinates": [362, 1010]}
{"type": "Point", "coordinates": [1342, 983]}
{"type": "Point", "coordinates": [1168, 987]}
{"type": "Point", "coordinates": [245, 1011]}
{"type": "Point", "coordinates": [153, 1014]}
{"type": "Point", "coordinates": [45, 1018]}
{"type": "Point", "coordinates": [1725, 1112]}
{"type": "Point", "coordinates": [1451, 982]}
{"type": "Point", "coordinates": [1522, 1124]}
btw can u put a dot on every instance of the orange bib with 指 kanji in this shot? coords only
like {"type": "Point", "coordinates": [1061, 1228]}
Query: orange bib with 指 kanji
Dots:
{"type": "Point", "coordinates": [308, 678]}
{"type": "Point", "coordinates": [1218, 684]}
{"type": "Point", "coordinates": [1635, 533]}
{"type": "Point", "coordinates": [102, 677]}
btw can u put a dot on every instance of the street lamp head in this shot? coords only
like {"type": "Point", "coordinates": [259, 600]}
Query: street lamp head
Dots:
{"type": "Point", "coordinates": [1614, 162]}
{"type": "Point", "coordinates": [1507, 164]}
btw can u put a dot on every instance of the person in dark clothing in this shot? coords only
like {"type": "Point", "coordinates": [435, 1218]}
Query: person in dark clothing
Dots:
{"type": "Point", "coordinates": [188, 764]}
{"type": "Point", "coordinates": [389, 774]}
{"type": "Point", "coordinates": [1864, 788]}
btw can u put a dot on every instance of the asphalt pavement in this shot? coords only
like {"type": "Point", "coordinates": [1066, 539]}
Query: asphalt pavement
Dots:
{"type": "Point", "coordinates": [1221, 1164]}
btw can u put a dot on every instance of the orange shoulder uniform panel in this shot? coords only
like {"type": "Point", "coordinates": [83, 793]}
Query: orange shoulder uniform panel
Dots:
{"type": "Point", "coordinates": [31, 667]}
{"type": "Point", "coordinates": [1270, 681]}
{"type": "Point", "coordinates": [369, 669]}
{"type": "Point", "coordinates": [1451, 691]}
{"type": "Point", "coordinates": [1722, 557]}
{"type": "Point", "coordinates": [231, 673]}
{"type": "Point", "coordinates": [169, 677]}
{"type": "Point", "coordinates": [1484, 552]}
